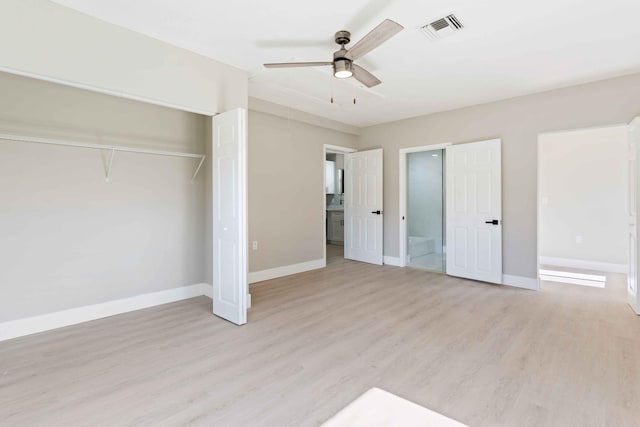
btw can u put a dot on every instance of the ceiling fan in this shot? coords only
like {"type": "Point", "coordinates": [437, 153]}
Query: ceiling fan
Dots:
{"type": "Point", "coordinates": [343, 66]}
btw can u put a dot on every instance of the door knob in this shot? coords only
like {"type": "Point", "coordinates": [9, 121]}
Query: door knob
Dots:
{"type": "Point", "coordinates": [376, 212]}
{"type": "Point", "coordinates": [493, 221]}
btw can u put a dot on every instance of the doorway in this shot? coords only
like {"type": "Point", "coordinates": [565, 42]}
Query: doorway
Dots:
{"type": "Point", "coordinates": [472, 214]}
{"type": "Point", "coordinates": [422, 204]}
{"type": "Point", "coordinates": [583, 205]}
{"type": "Point", "coordinates": [333, 201]}
{"type": "Point", "coordinates": [334, 185]}
{"type": "Point", "coordinates": [425, 210]}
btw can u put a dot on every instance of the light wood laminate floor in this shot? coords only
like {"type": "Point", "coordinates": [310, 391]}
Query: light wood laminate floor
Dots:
{"type": "Point", "coordinates": [485, 355]}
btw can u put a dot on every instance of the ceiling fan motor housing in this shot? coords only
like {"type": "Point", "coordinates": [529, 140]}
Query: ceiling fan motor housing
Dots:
{"type": "Point", "coordinates": [343, 37]}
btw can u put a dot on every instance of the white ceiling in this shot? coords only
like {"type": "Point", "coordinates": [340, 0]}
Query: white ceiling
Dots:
{"type": "Point", "coordinates": [508, 48]}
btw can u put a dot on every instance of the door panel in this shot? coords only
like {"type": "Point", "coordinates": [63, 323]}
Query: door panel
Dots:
{"type": "Point", "coordinates": [474, 247]}
{"type": "Point", "coordinates": [363, 226]}
{"type": "Point", "coordinates": [230, 291]}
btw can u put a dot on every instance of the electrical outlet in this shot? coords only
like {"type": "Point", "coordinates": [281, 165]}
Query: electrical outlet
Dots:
{"type": "Point", "coordinates": [255, 245]}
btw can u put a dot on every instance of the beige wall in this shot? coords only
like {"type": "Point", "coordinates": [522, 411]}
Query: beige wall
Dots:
{"type": "Point", "coordinates": [583, 195]}
{"type": "Point", "coordinates": [518, 122]}
{"type": "Point", "coordinates": [286, 188]}
{"type": "Point", "coordinates": [71, 239]}
{"type": "Point", "coordinates": [45, 39]}
{"type": "Point", "coordinates": [41, 39]}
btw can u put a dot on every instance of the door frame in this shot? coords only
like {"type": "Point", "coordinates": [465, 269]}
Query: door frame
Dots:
{"type": "Point", "coordinates": [402, 223]}
{"type": "Point", "coordinates": [328, 149]}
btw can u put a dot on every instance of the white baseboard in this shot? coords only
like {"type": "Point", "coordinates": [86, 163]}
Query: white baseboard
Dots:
{"type": "Point", "coordinates": [573, 281]}
{"type": "Point", "coordinates": [59, 319]}
{"type": "Point", "coordinates": [521, 282]}
{"type": "Point", "coordinates": [587, 265]}
{"type": "Point", "coordinates": [593, 277]}
{"type": "Point", "coordinates": [273, 273]}
{"type": "Point", "coordinates": [391, 260]}
{"type": "Point", "coordinates": [207, 290]}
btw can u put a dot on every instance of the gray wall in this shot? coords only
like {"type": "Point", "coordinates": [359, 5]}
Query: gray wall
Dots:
{"type": "Point", "coordinates": [68, 238]}
{"type": "Point", "coordinates": [286, 189]}
{"type": "Point", "coordinates": [41, 39]}
{"type": "Point", "coordinates": [518, 122]}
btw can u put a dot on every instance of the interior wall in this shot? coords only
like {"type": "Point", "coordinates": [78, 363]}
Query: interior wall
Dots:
{"type": "Point", "coordinates": [583, 195]}
{"type": "Point", "coordinates": [425, 196]}
{"type": "Point", "coordinates": [71, 239]}
{"type": "Point", "coordinates": [518, 122]}
{"type": "Point", "coordinates": [286, 170]}
{"type": "Point", "coordinates": [42, 38]}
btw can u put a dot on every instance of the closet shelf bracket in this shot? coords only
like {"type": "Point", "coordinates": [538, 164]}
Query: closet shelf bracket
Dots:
{"type": "Point", "coordinates": [113, 153]}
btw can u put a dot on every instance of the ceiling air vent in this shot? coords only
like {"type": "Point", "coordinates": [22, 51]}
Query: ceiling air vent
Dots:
{"type": "Point", "coordinates": [442, 27]}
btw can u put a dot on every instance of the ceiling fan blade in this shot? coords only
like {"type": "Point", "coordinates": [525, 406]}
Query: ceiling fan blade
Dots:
{"type": "Point", "coordinates": [297, 64]}
{"type": "Point", "coordinates": [365, 77]}
{"type": "Point", "coordinates": [375, 38]}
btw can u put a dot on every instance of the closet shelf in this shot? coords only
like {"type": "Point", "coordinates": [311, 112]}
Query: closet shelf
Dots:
{"type": "Point", "coordinates": [112, 148]}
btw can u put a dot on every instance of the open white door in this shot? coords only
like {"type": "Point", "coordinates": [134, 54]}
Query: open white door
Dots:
{"type": "Point", "coordinates": [229, 171]}
{"type": "Point", "coordinates": [474, 211]}
{"type": "Point", "coordinates": [634, 176]}
{"type": "Point", "coordinates": [363, 207]}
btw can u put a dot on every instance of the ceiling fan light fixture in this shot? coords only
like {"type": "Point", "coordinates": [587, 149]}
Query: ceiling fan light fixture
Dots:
{"type": "Point", "coordinates": [342, 69]}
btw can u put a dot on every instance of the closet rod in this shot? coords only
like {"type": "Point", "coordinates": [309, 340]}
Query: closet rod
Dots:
{"type": "Point", "coordinates": [113, 148]}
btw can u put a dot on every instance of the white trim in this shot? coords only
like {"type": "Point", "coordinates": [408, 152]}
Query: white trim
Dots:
{"type": "Point", "coordinates": [328, 148]}
{"type": "Point", "coordinates": [521, 282]}
{"type": "Point", "coordinates": [286, 270]}
{"type": "Point", "coordinates": [207, 290]}
{"type": "Point", "coordinates": [573, 281]}
{"type": "Point", "coordinates": [402, 224]}
{"type": "Point", "coordinates": [572, 275]}
{"type": "Point", "coordinates": [59, 319]}
{"type": "Point", "coordinates": [106, 91]}
{"type": "Point", "coordinates": [392, 260]}
{"type": "Point", "coordinates": [587, 265]}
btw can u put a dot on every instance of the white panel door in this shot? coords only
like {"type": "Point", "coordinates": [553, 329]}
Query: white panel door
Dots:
{"type": "Point", "coordinates": [363, 206]}
{"type": "Point", "coordinates": [632, 278]}
{"type": "Point", "coordinates": [229, 171]}
{"type": "Point", "coordinates": [474, 211]}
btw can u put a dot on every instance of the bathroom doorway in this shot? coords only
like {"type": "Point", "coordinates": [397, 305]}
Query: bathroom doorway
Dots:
{"type": "Point", "coordinates": [334, 197]}
{"type": "Point", "coordinates": [422, 207]}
